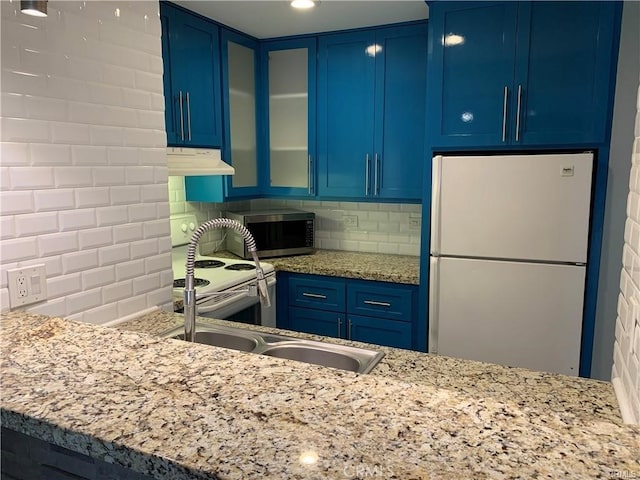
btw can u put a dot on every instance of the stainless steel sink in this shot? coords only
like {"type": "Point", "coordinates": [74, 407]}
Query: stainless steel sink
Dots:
{"type": "Point", "coordinates": [343, 357]}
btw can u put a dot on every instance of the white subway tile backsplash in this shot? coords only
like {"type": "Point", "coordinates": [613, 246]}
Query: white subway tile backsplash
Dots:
{"type": "Point", "coordinates": [128, 232]}
{"type": "Point", "coordinates": [64, 285]}
{"type": "Point", "coordinates": [108, 176]}
{"type": "Point", "coordinates": [79, 261]}
{"type": "Point", "coordinates": [101, 314]}
{"type": "Point", "coordinates": [14, 154]}
{"type": "Point", "coordinates": [125, 195]}
{"type": "Point", "coordinates": [119, 76]}
{"type": "Point", "coordinates": [154, 193]}
{"type": "Point", "coordinates": [146, 284]}
{"type": "Point", "coordinates": [142, 212]}
{"type": "Point", "coordinates": [56, 307]}
{"type": "Point", "coordinates": [132, 269]}
{"type": "Point", "coordinates": [117, 291]}
{"type": "Point", "coordinates": [138, 99]}
{"type": "Point", "coordinates": [113, 254]}
{"type": "Point", "coordinates": [24, 130]}
{"type": "Point", "coordinates": [45, 108]}
{"type": "Point", "coordinates": [102, 135]}
{"type": "Point", "coordinates": [12, 105]}
{"type": "Point", "coordinates": [95, 237]}
{"type": "Point", "coordinates": [25, 178]}
{"type": "Point", "coordinates": [7, 227]}
{"type": "Point", "coordinates": [132, 305]}
{"type": "Point", "coordinates": [143, 175]}
{"type": "Point", "coordinates": [157, 263]}
{"type": "Point", "coordinates": [123, 156]}
{"type": "Point", "coordinates": [156, 228]}
{"type": "Point", "coordinates": [18, 249]}
{"type": "Point", "coordinates": [77, 219]}
{"type": "Point", "coordinates": [73, 177]}
{"type": "Point", "coordinates": [88, 155]}
{"type": "Point", "coordinates": [71, 133]}
{"type": "Point", "coordinates": [85, 112]}
{"type": "Point", "coordinates": [98, 277]}
{"type": "Point", "coordinates": [16, 202]}
{"type": "Point", "coordinates": [49, 154]}
{"type": "Point", "coordinates": [49, 200]}
{"type": "Point", "coordinates": [57, 243]}
{"type": "Point", "coordinates": [36, 224]}
{"type": "Point", "coordinates": [144, 248]}
{"type": "Point", "coordinates": [84, 300]}
{"type": "Point", "coordinates": [115, 215]}
{"type": "Point", "coordinates": [92, 197]}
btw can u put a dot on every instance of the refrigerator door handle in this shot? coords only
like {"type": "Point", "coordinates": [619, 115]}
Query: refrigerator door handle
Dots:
{"type": "Point", "coordinates": [436, 178]}
{"type": "Point", "coordinates": [434, 286]}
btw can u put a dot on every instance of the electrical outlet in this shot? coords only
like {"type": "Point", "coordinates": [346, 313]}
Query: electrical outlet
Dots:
{"type": "Point", "coordinates": [350, 220]}
{"type": "Point", "coordinates": [27, 285]}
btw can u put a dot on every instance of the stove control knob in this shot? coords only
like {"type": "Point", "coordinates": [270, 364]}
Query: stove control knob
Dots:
{"type": "Point", "coordinates": [192, 226]}
{"type": "Point", "coordinates": [183, 227]}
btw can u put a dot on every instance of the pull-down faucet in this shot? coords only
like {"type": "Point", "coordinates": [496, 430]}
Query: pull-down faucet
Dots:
{"type": "Point", "coordinates": [190, 291]}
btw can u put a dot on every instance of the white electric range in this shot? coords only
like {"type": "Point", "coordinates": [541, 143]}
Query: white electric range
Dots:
{"type": "Point", "coordinates": [233, 281]}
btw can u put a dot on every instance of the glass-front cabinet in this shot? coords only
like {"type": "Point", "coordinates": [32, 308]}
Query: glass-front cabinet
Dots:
{"type": "Point", "coordinates": [239, 82]}
{"type": "Point", "coordinates": [290, 93]}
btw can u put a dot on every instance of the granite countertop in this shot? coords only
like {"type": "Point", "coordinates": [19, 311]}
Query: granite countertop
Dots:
{"type": "Point", "coordinates": [338, 263]}
{"type": "Point", "coordinates": [175, 410]}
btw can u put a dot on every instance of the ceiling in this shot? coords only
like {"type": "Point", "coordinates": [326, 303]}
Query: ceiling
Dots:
{"type": "Point", "coordinates": [269, 18]}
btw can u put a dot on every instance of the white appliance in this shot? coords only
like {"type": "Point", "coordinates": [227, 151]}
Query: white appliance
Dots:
{"type": "Point", "coordinates": [508, 253]}
{"type": "Point", "coordinates": [183, 161]}
{"type": "Point", "coordinates": [229, 278]}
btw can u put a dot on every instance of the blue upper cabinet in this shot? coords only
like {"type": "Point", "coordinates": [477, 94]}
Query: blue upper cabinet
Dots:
{"type": "Point", "coordinates": [289, 113]}
{"type": "Point", "coordinates": [371, 113]}
{"type": "Point", "coordinates": [192, 101]}
{"type": "Point", "coordinates": [563, 71]}
{"type": "Point", "coordinates": [240, 86]}
{"type": "Point", "coordinates": [520, 73]}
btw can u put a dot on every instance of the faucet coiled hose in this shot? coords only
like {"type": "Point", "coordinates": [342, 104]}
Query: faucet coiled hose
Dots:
{"type": "Point", "coordinates": [216, 223]}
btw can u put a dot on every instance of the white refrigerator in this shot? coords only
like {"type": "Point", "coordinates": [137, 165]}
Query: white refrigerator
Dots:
{"type": "Point", "coordinates": [508, 254]}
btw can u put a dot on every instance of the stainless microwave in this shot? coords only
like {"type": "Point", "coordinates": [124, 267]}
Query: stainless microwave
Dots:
{"type": "Point", "coordinates": [277, 233]}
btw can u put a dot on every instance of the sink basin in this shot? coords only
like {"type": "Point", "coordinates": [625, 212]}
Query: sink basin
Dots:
{"type": "Point", "coordinates": [359, 360]}
{"type": "Point", "coordinates": [219, 339]}
{"type": "Point", "coordinates": [317, 356]}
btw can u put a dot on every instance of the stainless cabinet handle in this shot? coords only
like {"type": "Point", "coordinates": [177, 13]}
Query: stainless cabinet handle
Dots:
{"type": "Point", "coordinates": [366, 176]}
{"type": "Point", "coordinates": [181, 117]}
{"type": "Point", "coordinates": [376, 168]}
{"type": "Point", "coordinates": [518, 113]}
{"type": "Point", "coordinates": [349, 330]}
{"type": "Point", "coordinates": [377, 304]}
{"type": "Point", "coordinates": [188, 116]}
{"type": "Point", "coordinates": [504, 114]}
{"type": "Point", "coordinates": [309, 174]}
{"type": "Point", "coordinates": [314, 295]}
{"type": "Point", "coordinates": [339, 327]}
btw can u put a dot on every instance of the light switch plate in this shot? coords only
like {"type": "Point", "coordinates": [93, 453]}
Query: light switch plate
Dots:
{"type": "Point", "coordinates": [27, 285]}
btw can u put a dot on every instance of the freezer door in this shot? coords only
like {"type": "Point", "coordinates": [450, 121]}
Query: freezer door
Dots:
{"type": "Point", "coordinates": [532, 207]}
{"type": "Point", "coordinates": [511, 313]}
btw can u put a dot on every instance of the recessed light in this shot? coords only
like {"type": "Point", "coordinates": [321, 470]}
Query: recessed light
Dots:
{"type": "Point", "coordinates": [303, 4]}
{"type": "Point", "coordinates": [35, 8]}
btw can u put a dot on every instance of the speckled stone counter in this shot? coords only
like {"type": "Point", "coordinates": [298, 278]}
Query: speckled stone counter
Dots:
{"type": "Point", "coordinates": [338, 263]}
{"type": "Point", "coordinates": [175, 410]}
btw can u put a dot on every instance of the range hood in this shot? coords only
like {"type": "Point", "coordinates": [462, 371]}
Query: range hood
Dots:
{"type": "Point", "coordinates": [196, 161]}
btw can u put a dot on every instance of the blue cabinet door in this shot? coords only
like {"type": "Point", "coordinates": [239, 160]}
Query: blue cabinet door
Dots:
{"type": "Point", "coordinates": [346, 74]}
{"type": "Point", "coordinates": [289, 148]}
{"type": "Point", "coordinates": [191, 56]}
{"type": "Point", "coordinates": [470, 72]}
{"type": "Point", "coordinates": [563, 70]}
{"type": "Point", "coordinates": [399, 146]}
{"type": "Point", "coordinates": [319, 322]}
{"type": "Point", "coordinates": [379, 331]}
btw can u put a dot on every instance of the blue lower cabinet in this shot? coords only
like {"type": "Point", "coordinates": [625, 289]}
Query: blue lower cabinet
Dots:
{"type": "Point", "coordinates": [390, 333]}
{"type": "Point", "coordinates": [318, 322]}
{"type": "Point", "coordinates": [334, 307]}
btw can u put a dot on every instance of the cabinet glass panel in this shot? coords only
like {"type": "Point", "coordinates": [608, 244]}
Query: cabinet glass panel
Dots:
{"type": "Point", "coordinates": [242, 114]}
{"type": "Point", "coordinates": [288, 118]}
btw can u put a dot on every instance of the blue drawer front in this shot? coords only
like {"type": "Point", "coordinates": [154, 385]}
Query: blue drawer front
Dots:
{"type": "Point", "coordinates": [389, 302]}
{"type": "Point", "coordinates": [391, 333]}
{"type": "Point", "coordinates": [319, 294]}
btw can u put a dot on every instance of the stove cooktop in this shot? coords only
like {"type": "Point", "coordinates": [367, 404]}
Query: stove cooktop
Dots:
{"type": "Point", "coordinates": [221, 273]}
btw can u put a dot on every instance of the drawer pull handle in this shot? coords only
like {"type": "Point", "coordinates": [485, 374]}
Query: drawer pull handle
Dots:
{"type": "Point", "coordinates": [314, 295]}
{"type": "Point", "coordinates": [377, 304]}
